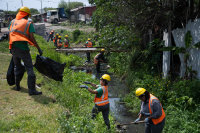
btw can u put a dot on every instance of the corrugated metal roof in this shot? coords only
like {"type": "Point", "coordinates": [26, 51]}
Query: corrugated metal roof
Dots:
{"type": "Point", "coordinates": [76, 9]}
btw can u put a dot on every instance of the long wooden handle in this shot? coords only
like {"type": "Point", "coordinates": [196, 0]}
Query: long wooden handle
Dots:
{"type": "Point", "coordinates": [133, 123]}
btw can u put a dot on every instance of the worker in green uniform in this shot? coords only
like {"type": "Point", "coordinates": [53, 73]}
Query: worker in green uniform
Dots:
{"type": "Point", "coordinates": [59, 42]}
{"type": "Point", "coordinates": [55, 39]}
{"type": "Point", "coordinates": [20, 35]}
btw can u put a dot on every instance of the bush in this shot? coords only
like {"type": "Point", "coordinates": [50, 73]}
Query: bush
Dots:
{"type": "Point", "coordinates": [76, 34]}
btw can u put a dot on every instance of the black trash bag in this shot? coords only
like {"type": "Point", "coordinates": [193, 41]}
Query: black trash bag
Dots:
{"type": "Point", "coordinates": [11, 75]}
{"type": "Point", "coordinates": [50, 68]}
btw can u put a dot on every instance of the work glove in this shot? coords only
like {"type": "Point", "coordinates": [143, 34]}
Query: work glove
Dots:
{"type": "Point", "coordinates": [40, 52]}
{"type": "Point", "coordinates": [86, 82]}
{"type": "Point", "coordinates": [146, 119]}
{"type": "Point", "coordinates": [83, 86]}
{"type": "Point", "coordinates": [138, 119]}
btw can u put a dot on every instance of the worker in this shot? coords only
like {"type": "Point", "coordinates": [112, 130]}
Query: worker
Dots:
{"type": "Point", "coordinates": [99, 57]}
{"type": "Point", "coordinates": [88, 44]}
{"type": "Point", "coordinates": [59, 42]}
{"type": "Point", "coordinates": [20, 34]}
{"type": "Point", "coordinates": [152, 110]}
{"type": "Point", "coordinates": [55, 39]}
{"type": "Point", "coordinates": [51, 35]}
{"type": "Point", "coordinates": [66, 41]}
{"type": "Point", "coordinates": [101, 98]}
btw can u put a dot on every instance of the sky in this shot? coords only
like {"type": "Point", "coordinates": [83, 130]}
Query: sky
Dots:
{"type": "Point", "coordinates": [13, 5]}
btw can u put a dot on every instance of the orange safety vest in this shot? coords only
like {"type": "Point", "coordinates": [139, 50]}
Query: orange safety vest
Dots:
{"type": "Point", "coordinates": [59, 43]}
{"type": "Point", "coordinates": [103, 100]}
{"type": "Point", "coordinates": [19, 31]}
{"type": "Point", "coordinates": [89, 45]}
{"type": "Point", "coordinates": [155, 121]}
{"type": "Point", "coordinates": [96, 60]}
{"type": "Point", "coordinates": [66, 43]}
{"type": "Point", "coordinates": [51, 32]}
{"type": "Point", "coordinates": [54, 39]}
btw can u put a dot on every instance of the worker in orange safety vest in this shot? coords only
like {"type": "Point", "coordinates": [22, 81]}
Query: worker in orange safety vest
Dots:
{"type": "Point", "coordinates": [59, 42]}
{"type": "Point", "coordinates": [66, 41]}
{"type": "Point", "coordinates": [51, 35]}
{"type": "Point", "coordinates": [88, 44]}
{"type": "Point", "coordinates": [101, 98]}
{"type": "Point", "coordinates": [152, 110]}
{"type": "Point", "coordinates": [20, 35]}
{"type": "Point", "coordinates": [55, 39]}
{"type": "Point", "coordinates": [98, 58]}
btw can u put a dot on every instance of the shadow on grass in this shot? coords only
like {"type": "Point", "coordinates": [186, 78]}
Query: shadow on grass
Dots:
{"type": "Point", "coordinates": [43, 99]}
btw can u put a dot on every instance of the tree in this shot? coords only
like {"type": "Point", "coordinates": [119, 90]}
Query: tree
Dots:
{"type": "Point", "coordinates": [69, 5]}
{"type": "Point", "coordinates": [34, 11]}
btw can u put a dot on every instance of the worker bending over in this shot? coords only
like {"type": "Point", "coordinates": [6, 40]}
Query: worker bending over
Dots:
{"type": "Point", "coordinates": [101, 98]}
{"type": "Point", "coordinates": [51, 35]}
{"type": "Point", "coordinates": [152, 110]}
{"type": "Point", "coordinates": [88, 44]}
{"type": "Point", "coordinates": [55, 39]}
{"type": "Point", "coordinates": [66, 41]}
{"type": "Point", "coordinates": [20, 34]}
{"type": "Point", "coordinates": [99, 57]}
{"type": "Point", "coordinates": [59, 42]}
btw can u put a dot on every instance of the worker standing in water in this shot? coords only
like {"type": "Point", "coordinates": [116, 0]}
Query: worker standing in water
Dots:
{"type": "Point", "coordinates": [20, 34]}
{"type": "Point", "coordinates": [88, 44]}
{"type": "Point", "coordinates": [152, 110]}
{"type": "Point", "coordinates": [66, 41]}
{"type": "Point", "coordinates": [59, 42]}
{"type": "Point", "coordinates": [51, 35]}
{"type": "Point", "coordinates": [99, 57]}
{"type": "Point", "coordinates": [101, 98]}
{"type": "Point", "coordinates": [55, 39]}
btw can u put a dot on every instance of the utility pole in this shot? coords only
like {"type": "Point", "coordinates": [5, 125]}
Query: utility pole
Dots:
{"type": "Point", "coordinates": [22, 2]}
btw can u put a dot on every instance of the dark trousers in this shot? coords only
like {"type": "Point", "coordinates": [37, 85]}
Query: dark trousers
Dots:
{"type": "Point", "coordinates": [98, 67]}
{"type": "Point", "coordinates": [18, 55]}
{"type": "Point", "coordinates": [88, 56]}
{"type": "Point", "coordinates": [50, 36]}
{"type": "Point", "coordinates": [151, 128]}
{"type": "Point", "coordinates": [55, 44]}
{"type": "Point", "coordinates": [105, 112]}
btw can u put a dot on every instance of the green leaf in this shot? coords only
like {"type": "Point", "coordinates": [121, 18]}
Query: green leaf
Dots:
{"type": "Point", "coordinates": [171, 48]}
{"type": "Point", "coordinates": [190, 101]}
{"type": "Point", "coordinates": [197, 45]}
{"type": "Point", "coordinates": [180, 50]}
{"type": "Point", "coordinates": [188, 39]}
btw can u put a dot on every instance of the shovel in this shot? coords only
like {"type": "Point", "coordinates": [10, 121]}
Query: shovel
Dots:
{"type": "Point", "coordinates": [120, 125]}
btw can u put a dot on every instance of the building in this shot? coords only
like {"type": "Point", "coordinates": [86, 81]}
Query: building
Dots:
{"type": "Point", "coordinates": [82, 14]}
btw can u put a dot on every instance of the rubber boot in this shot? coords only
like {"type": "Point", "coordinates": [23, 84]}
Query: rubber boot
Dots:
{"type": "Point", "coordinates": [31, 86]}
{"type": "Point", "coordinates": [17, 82]}
{"type": "Point", "coordinates": [108, 126]}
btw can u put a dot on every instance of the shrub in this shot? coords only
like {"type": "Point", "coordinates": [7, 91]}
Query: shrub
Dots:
{"type": "Point", "coordinates": [76, 34]}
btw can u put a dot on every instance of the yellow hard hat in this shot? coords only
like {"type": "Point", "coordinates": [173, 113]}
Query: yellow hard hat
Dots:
{"type": "Point", "coordinates": [53, 30]}
{"type": "Point", "coordinates": [88, 39]}
{"type": "Point", "coordinates": [103, 50]}
{"type": "Point", "coordinates": [140, 91]}
{"type": "Point", "coordinates": [105, 77]}
{"type": "Point", "coordinates": [25, 9]}
{"type": "Point", "coordinates": [59, 36]}
{"type": "Point", "coordinates": [66, 35]}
